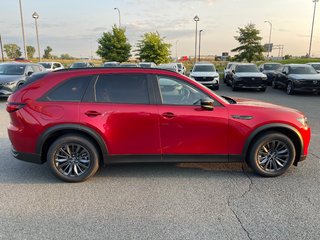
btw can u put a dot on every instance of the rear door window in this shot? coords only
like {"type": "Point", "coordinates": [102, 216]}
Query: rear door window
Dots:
{"type": "Point", "coordinates": [122, 88]}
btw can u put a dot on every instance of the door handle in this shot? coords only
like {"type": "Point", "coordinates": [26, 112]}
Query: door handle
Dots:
{"type": "Point", "coordinates": [168, 115]}
{"type": "Point", "coordinates": [92, 113]}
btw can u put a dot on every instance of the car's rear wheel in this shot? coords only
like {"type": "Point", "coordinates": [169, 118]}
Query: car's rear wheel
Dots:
{"type": "Point", "coordinates": [290, 90]}
{"type": "Point", "coordinates": [73, 158]}
{"type": "Point", "coordinates": [271, 154]}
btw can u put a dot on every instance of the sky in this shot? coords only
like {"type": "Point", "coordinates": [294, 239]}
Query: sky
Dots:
{"type": "Point", "coordinates": [73, 26]}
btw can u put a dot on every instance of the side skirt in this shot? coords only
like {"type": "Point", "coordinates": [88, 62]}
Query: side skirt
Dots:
{"type": "Point", "coordinates": [173, 159]}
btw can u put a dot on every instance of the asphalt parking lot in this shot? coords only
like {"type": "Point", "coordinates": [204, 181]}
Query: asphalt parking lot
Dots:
{"type": "Point", "coordinates": [165, 201]}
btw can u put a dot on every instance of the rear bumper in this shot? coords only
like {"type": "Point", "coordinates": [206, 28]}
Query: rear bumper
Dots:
{"type": "Point", "coordinates": [27, 157]}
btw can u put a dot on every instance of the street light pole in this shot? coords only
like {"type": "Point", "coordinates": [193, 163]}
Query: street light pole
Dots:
{"type": "Point", "coordinates": [22, 27]}
{"type": "Point", "coordinates": [269, 47]}
{"type": "Point", "coordinates": [314, 13]}
{"type": "Point", "coordinates": [36, 16]}
{"type": "Point", "coordinates": [200, 31]}
{"type": "Point", "coordinates": [196, 19]}
{"type": "Point", "coordinates": [177, 49]}
{"type": "Point", "coordinates": [1, 49]}
{"type": "Point", "coordinates": [119, 16]}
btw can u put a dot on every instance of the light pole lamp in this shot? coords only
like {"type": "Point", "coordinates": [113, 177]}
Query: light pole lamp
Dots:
{"type": "Point", "coordinates": [23, 36]}
{"type": "Point", "coordinates": [200, 31]}
{"type": "Point", "coordinates": [119, 16]}
{"type": "Point", "coordinates": [36, 16]}
{"type": "Point", "coordinates": [196, 19]}
{"type": "Point", "coordinates": [269, 46]}
{"type": "Point", "coordinates": [314, 13]}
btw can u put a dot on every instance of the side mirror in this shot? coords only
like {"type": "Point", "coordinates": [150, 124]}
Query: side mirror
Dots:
{"type": "Point", "coordinates": [261, 70]}
{"type": "Point", "coordinates": [29, 73]}
{"type": "Point", "coordinates": [207, 104]}
{"type": "Point", "coordinates": [284, 72]}
{"type": "Point", "coordinates": [233, 71]}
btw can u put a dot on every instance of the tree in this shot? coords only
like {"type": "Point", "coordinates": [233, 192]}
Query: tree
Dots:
{"type": "Point", "coordinates": [12, 50]}
{"type": "Point", "coordinates": [152, 48]}
{"type": "Point", "coordinates": [66, 56]}
{"type": "Point", "coordinates": [250, 48]}
{"type": "Point", "coordinates": [47, 53]}
{"type": "Point", "coordinates": [30, 51]}
{"type": "Point", "coordinates": [114, 45]}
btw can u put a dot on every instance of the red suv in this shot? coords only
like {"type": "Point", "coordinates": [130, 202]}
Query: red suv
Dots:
{"type": "Point", "coordinates": [78, 120]}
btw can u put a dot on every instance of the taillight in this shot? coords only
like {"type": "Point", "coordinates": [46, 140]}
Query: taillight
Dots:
{"type": "Point", "coordinates": [12, 107]}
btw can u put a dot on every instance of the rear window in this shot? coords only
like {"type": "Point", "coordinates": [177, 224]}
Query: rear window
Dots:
{"type": "Point", "coordinates": [247, 68]}
{"type": "Point", "coordinates": [71, 90]}
{"type": "Point", "coordinates": [122, 88]}
{"type": "Point", "coordinates": [33, 78]}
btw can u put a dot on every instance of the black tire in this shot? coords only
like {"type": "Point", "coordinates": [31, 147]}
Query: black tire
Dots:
{"type": "Point", "coordinates": [290, 90]}
{"type": "Point", "coordinates": [234, 88]}
{"type": "Point", "coordinates": [216, 88]}
{"type": "Point", "coordinates": [274, 84]}
{"type": "Point", "coordinates": [79, 158]}
{"type": "Point", "coordinates": [271, 154]}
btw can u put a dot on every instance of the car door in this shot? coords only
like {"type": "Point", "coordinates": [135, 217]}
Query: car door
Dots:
{"type": "Point", "coordinates": [118, 107]}
{"type": "Point", "coordinates": [283, 77]}
{"type": "Point", "coordinates": [185, 127]}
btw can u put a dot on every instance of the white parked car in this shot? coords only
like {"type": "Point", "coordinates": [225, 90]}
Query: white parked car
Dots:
{"type": "Point", "coordinates": [181, 68]}
{"type": "Point", "coordinates": [52, 66]}
{"type": "Point", "coordinates": [169, 66]}
{"type": "Point", "coordinates": [206, 74]}
{"type": "Point", "coordinates": [147, 64]}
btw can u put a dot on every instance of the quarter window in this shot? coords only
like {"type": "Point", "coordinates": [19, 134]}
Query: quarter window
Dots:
{"type": "Point", "coordinates": [122, 88]}
{"type": "Point", "coordinates": [176, 92]}
{"type": "Point", "coordinates": [71, 90]}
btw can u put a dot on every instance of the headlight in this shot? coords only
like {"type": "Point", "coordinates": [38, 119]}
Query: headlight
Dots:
{"type": "Point", "coordinates": [264, 78]}
{"type": "Point", "coordinates": [216, 78]}
{"type": "Point", "coordinates": [10, 83]}
{"type": "Point", "coordinates": [303, 120]}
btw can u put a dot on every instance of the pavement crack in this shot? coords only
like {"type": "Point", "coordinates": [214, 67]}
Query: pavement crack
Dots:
{"type": "Point", "coordinates": [235, 199]}
{"type": "Point", "coordinates": [314, 155]}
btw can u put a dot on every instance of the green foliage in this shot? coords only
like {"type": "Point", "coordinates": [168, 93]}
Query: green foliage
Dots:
{"type": "Point", "coordinates": [66, 56]}
{"type": "Point", "coordinates": [47, 53]}
{"type": "Point", "coordinates": [152, 48]}
{"type": "Point", "coordinates": [114, 45]}
{"type": "Point", "coordinates": [250, 48]}
{"type": "Point", "coordinates": [30, 51]}
{"type": "Point", "coordinates": [12, 50]}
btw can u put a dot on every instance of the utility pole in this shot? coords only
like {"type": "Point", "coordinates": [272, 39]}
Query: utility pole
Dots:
{"type": "Point", "coordinates": [314, 13]}
{"type": "Point", "coordinates": [22, 28]}
{"type": "Point", "coordinates": [196, 19]}
{"type": "Point", "coordinates": [200, 31]}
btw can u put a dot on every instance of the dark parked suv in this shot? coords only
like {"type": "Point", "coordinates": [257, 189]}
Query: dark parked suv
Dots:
{"type": "Point", "coordinates": [13, 75]}
{"type": "Point", "coordinates": [77, 120]}
{"type": "Point", "coordinates": [246, 75]}
{"type": "Point", "coordinates": [297, 78]}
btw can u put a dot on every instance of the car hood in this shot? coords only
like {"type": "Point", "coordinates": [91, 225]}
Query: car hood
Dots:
{"type": "Point", "coordinates": [250, 74]}
{"type": "Point", "coordinates": [204, 74]}
{"type": "Point", "coordinates": [10, 78]}
{"type": "Point", "coordinates": [268, 71]}
{"type": "Point", "coordinates": [305, 76]}
{"type": "Point", "coordinates": [261, 104]}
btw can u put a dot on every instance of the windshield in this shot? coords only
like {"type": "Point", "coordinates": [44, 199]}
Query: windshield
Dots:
{"type": "Point", "coordinates": [179, 65]}
{"type": "Point", "coordinates": [247, 68]}
{"type": "Point", "coordinates": [14, 69]}
{"type": "Point", "coordinates": [145, 65]}
{"type": "Point", "coordinates": [302, 70]}
{"type": "Point", "coordinates": [271, 66]}
{"type": "Point", "coordinates": [78, 65]}
{"type": "Point", "coordinates": [204, 68]}
{"type": "Point", "coordinates": [316, 66]}
{"type": "Point", "coordinates": [46, 65]}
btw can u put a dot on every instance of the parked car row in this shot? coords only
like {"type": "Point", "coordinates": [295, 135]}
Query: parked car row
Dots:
{"type": "Point", "coordinates": [291, 77]}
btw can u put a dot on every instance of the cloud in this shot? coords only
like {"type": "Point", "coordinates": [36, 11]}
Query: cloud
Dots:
{"type": "Point", "coordinates": [303, 35]}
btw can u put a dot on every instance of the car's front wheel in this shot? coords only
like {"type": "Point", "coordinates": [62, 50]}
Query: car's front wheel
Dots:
{"type": "Point", "coordinates": [290, 90]}
{"type": "Point", "coordinates": [271, 154]}
{"type": "Point", "coordinates": [73, 158]}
